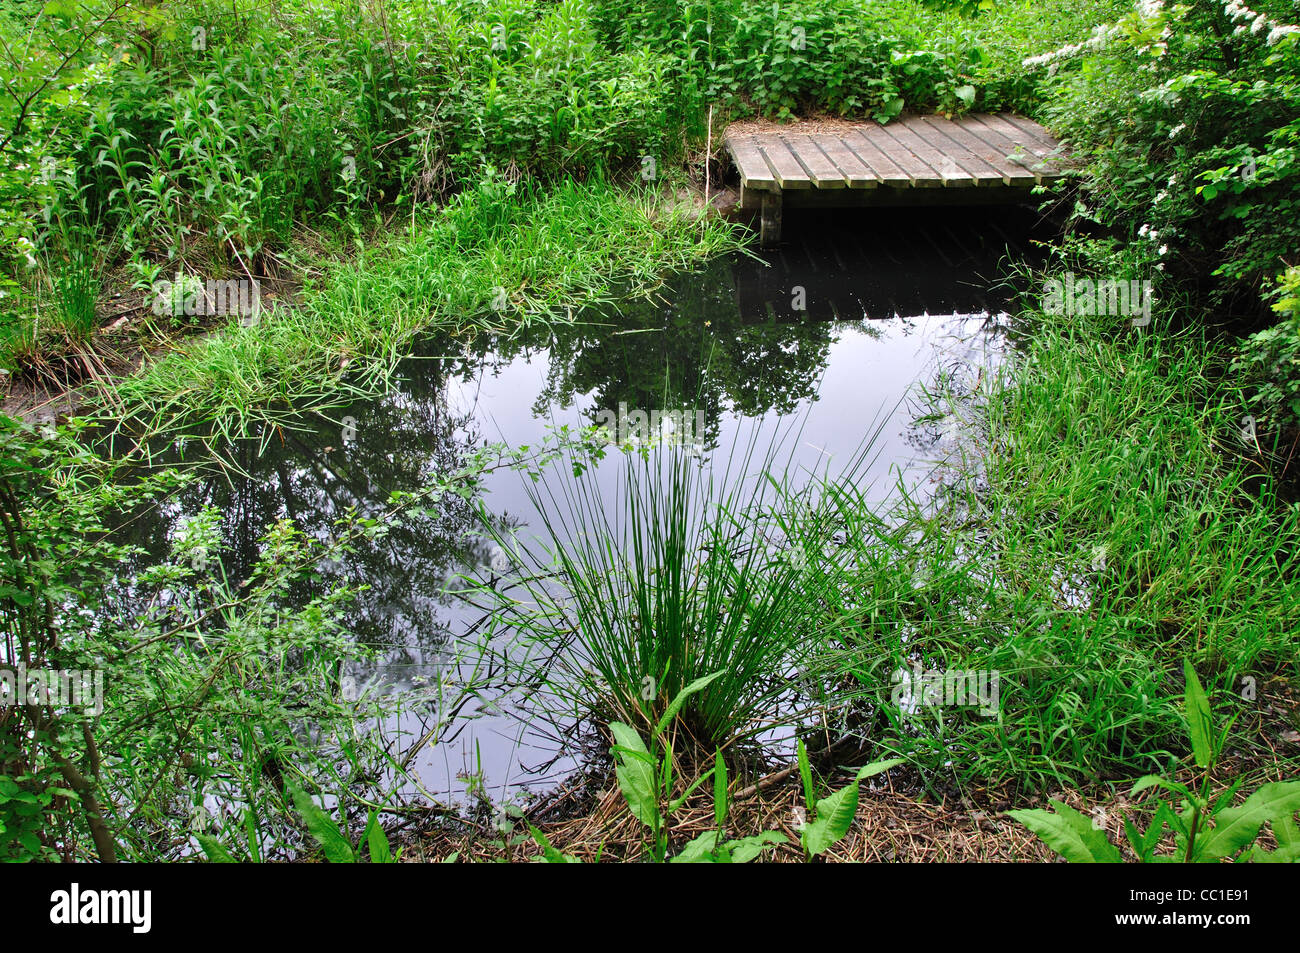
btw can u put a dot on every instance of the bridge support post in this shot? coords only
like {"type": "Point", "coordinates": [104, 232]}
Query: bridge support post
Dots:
{"type": "Point", "coordinates": [770, 219]}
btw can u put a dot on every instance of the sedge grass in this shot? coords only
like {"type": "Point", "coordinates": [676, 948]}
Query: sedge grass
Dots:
{"type": "Point", "coordinates": [683, 570]}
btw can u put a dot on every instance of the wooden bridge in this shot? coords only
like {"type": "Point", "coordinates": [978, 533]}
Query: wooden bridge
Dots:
{"type": "Point", "coordinates": [973, 159]}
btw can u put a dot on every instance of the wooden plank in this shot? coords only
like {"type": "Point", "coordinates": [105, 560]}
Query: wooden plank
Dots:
{"type": "Point", "coordinates": [918, 173]}
{"type": "Point", "coordinates": [1043, 151]}
{"type": "Point", "coordinates": [1031, 129]}
{"type": "Point", "coordinates": [1006, 148]}
{"type": "Point", "coordinates": [881, 166]}
{"type": "Point", "coordinates": [1009, 172]}
{"type": "Point", "coordinates": [949, 169]}
{"type": "Point", "coordinates": [911, 154]}
{"type": "Point", "coordinates": [856, 172]}
{"type": "Point", "coordinates": [822, 170]}
{"type": "Point", "coordinates": [789, 173]}
{"type": "Point", "coordinates": [753, 168]}
{"type": "Point", "coordinates": [954, 154]}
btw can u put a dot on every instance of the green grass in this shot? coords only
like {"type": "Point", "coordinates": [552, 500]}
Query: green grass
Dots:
{"type": "Point", "coordinates": [687, 569]}
{"type": "Point", "coordinates": [539, 256]}
{"type": "Point", "coordinates": [1104, 530]}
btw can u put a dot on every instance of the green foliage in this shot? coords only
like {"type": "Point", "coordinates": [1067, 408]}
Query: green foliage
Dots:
{"type": "Point", "coordinates": [832, 816]}
{"type": "Point", "coordinates": [1186, 116]}
{"type": "Point", "coordinates": [334, 843]}
{"type": "Point", "coordinates": [1204, 831]}
{"type": "Point", "coordinates": [669, 582]}
{"type": "Point", "coordinates": [647, 779]}
{"type": "Point", "coordinates": [1103, 537]}
{"type": "Point", "coordinates": [497, 258]}
{"type": "Point", "coordinates": [1268, 362]}
{"type": "Point", "coordinates": [208, 689]}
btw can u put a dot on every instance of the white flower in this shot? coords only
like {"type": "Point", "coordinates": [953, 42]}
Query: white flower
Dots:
{"type": "Point", "coordinates": [1162, 249]}
{"type": "Point", "coordinates": [1144, 229]}
{"type": "Point", "coordinates": [1177, 129]}
{"type": "Point", "coordinates": [1278, 32]}
{"type": "Point", "coordinates": [1260, 22]}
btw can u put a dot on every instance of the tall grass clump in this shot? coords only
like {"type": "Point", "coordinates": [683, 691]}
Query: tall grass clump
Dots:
{"type": "Point", "coordinates": [682, 571]}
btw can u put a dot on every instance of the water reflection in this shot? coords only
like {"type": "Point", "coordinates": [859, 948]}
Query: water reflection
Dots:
{"type": "Point", "coordinates": [750, 342]}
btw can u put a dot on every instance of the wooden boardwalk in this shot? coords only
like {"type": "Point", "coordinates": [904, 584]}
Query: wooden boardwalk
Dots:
{"type": "Point", "coordinates": [918, 159]}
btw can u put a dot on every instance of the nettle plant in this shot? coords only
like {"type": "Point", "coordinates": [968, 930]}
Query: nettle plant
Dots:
{"type": "Point", "coordinates": [1205, 829]}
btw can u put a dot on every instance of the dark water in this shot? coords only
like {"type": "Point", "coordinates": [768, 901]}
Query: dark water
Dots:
{"type": "Point", "coordinates": [891, 299]}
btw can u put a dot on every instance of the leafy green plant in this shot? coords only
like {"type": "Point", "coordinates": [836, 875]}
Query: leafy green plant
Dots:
{"type": "Point", "coordinates": [646, 774]}
{"type": "Point", "coordinates": [832, 816]}
{"type": "Point", "coordinates": [671, 581]}
{"type": "Point", "coordinates": [1205, 830]}
{"type": "Point", "coordinates": [333, 842]}
{"type": "Point", "coordinates": [712, 846]}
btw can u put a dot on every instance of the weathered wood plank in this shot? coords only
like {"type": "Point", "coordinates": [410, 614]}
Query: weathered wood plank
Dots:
{"type": "Point", "coordinates": [856, 172]}
{"type": "Point", "coordinates": [1044, 153]}
{"type": "Point", "coordinates": [753, 168]}
{"type": "Point", "coordinates": [921, 175]}
{"type": "Point", "coordinates": [977, 157]}
{"type": "Point", "coordinates": [1030, 128]}
{"type": "Point", "coordinates": [881, 166]}
{"type": "Point", "coordinates": [789, 173]}
{"type": "Point", "coordinates": [949, 168]}
{"type": "Point", "coordinates": [822, 170]}
{"type": "Point", "coordinates": [829, 165]}
{"type": "Point", "coordinates": [1028, 162]}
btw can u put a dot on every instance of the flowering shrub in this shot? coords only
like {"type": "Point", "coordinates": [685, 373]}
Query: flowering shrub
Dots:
{"type": "Point", "coordinates": [1189, 115]}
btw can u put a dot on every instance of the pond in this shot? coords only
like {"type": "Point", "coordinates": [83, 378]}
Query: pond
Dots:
{"type": "Point", "coordinates": [819, 342]}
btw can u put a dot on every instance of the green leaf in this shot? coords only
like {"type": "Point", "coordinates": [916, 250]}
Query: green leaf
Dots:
{"type": "Point", "coordinates": [719, 790]}
{"type": "Point", "coordinates": [552, 855]}
{"type": "Point", "coordinates": [1070, 834]}
{"type": "Point", "coordinates": [635, 774]}
{"type": "Point", "coordinates": [215, 850]}
{"type": "Point", "coordinates": [1235, 827]}
{"type": "Point", "coordinates": [675, 706]}
{"type": "Point", "coordinates": [805, 772]}
{"type": "Point", "coordinates": [835, 815]}
{"type": "Point", "coordinates": [337, 848]}
{"type": "Point", "coordinates": [698, 851]}
{"type": "Point", "coordinates": [381, 852]}
{"type": "Point", "coordinates": [1199, 720]}
{"type": "Point", "coordinates": [746, 849]}
{"type": "Point", "coordinates": [878, 767]}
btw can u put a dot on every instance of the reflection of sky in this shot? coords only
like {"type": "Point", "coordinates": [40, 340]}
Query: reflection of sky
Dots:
{"type": "Point", "coordinates": [868, 381]}
{"type": "Point", "coordinates": [738, 310]}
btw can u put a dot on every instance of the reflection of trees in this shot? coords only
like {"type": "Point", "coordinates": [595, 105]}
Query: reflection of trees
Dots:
{"type": "Point", "coordinates": [315, 476]}
{"type": "Point", "coordinates": [686, 348]}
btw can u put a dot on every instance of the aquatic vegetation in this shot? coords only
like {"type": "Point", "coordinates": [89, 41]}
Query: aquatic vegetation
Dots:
{"type": "Point", "coordinates": [681, 576]}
